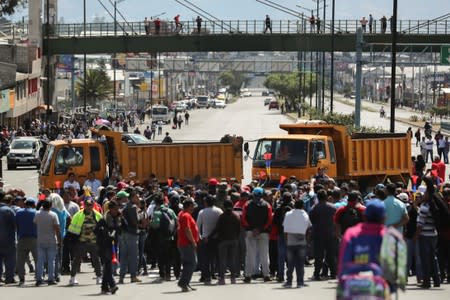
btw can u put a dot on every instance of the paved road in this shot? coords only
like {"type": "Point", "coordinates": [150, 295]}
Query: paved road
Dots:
{"type": "Point", "coordinates": [247, 117]}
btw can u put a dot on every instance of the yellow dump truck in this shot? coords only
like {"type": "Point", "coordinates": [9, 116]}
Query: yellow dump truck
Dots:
{"type": "Point", "coordinates": [108, 154]}
{"type": "Point", "coordinates": [367, 157]}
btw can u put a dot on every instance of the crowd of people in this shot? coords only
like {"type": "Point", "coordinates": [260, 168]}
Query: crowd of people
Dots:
{"type": "Point", "coordinates": [221, 229]}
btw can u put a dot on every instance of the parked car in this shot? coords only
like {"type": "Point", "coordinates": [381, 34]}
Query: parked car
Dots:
{"type": "Point", "coordinates": [273, 104]}
{"type": "Point", "coordinates": [135, 139]}
{"type": "Point", "coordinates": [246, 94]}
{"type": "Point", "coordinates": [265, 93]}
{"type": "Point", "coordinates": [267, 101]}
{"type": "Point", "coordinates": [219, 104]}
{"type": "Point", "coordinates": [24, 151]}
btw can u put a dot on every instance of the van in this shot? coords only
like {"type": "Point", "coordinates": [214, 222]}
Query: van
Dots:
{"type": "Point", "coordinates": [160, 113]}
{"type": "Point", "coordinates": [202, 101]}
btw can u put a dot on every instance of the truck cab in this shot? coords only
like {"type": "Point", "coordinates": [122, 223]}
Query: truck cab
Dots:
{"type": "Point", "coordinates": [298, 155]}
{"type": "Point", "coordinates": [78, 156]}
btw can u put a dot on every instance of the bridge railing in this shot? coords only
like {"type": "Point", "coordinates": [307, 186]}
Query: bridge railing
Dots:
{"type": "Point", "coordinates": [13, 31]}
{"type": "Point", "coordinates": [421, 27]}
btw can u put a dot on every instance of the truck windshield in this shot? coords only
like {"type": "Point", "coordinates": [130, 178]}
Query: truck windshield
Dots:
{"type": "Point", "coordinates": [281, 153]}
{"type": "Point", "coordinates": [47, 160]}
{"type": "Point", "coordinates": [159, 111]}
{"type": "Point", "coordinates": [68, 157]}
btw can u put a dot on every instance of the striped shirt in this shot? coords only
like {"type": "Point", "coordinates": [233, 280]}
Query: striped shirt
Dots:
{"type": "Point", "coordinates": [425, 221]}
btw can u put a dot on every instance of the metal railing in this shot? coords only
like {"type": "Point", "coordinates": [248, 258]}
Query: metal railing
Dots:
{"type": "Point", "coordinates": [417, 27]}
{"type": "Point", "coordinates": [13, 31]}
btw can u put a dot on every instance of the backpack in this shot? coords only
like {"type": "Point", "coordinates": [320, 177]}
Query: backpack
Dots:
{"type": "Point", "coordinates": [393, 258]}
{"type": "Point", "coordinates": [440, 211]}
{"type": "Point", "coordinates": [167, 226]}
{"type": "Point", "coordinates": [350, 217]}
{"type": "Point", "coordinates": [362, 282]}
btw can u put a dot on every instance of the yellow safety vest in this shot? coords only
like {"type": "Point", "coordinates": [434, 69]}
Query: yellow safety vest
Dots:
{"type": "Point", "coordinates": [78, 220]}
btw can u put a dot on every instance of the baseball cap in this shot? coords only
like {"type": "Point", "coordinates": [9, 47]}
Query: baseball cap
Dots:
{"type": "Point", "coordinates": [380, 186]}
{"type": "Point", "coordinates": [375, 211]}
{"type": "Point", "coordinates": [213, 181]}
{"type": "Point", "coordinates": [121, 185]}
{"type": "Point", "coordinates": [258, 192]}
{"type": "Point", "coordinates": [30, 201]}
{"type": "Point", "coordinates": [122, 194]}
{"type": "Point", "coordinates": [403, 197]}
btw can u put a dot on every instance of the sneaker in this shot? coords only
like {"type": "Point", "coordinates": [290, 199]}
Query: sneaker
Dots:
{"type": "Point", "coordinates": [300, 285]}
{"type": "Point", "coordinates": [21, 283]}
{"type": "Point", "coordinates": [120, 281]}
{"type": "Point", "coordinates": [114, 289]}
{"type": "Point", "coordinates": [39, 283]}
{"type": "Point", "coordinates": [57, 279]}
{"type": "Point", "coordinates": [99, 280]}
{"type": "Point", "coordinates": [135, 279]}
{"type": "Point", "coordinates": [184, 288]}
{"type": "Point", "coordinates": [221, 281]}
{"type": "Point", "coordinates": [267, 279]}
{"type": "Point", "coordinates": [233, 280]}
{"type": "Point", "coordinates": [52, 282]}
{"type": "Point", "coordinates": [287, 285]}
{"type": "Point", "coordinates": [247, 279]}
{"type": "Point", "coordinates": [73, 281]}
{"type": "Point", "coordinates": [280, 279]}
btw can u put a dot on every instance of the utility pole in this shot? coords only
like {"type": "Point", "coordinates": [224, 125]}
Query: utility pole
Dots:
{"type": "Point", "coordinates": [332, 56]}
{"type": "Point", "coordinates": [49, 55]}
{"type": "Point", "coordinates": [359, 45]}
{"type": "Point", "coordinates": [84, 61]}
{"type": "Point", "coordinates": [323, 58]}
{"type": "Point", "coordinates": [394, 64]}
{"type": "Point", "coordinates": [114, 58]}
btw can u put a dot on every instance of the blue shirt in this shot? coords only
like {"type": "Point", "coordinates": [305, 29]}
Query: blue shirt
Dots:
{"type": "Point", "coordinates": [395, 209]}
{"type": "Point", "coordinates": [26, 228]}
{"type": "Point", "coordinates": [62, 218]}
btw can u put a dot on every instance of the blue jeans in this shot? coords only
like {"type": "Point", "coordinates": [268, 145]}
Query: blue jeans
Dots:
{"type": "Point", "coordinates": [428, 252]}
{"type": "Point", "coordinates": [46, 253]}
{"type": "Point", "coordinates": [8, 258]}
{"type": "Point", "coordinates": [296, 259]}
{"type": "Point", "coordinates": [281, 243]}
{"type": "Point", "coordinates": [414, 255]}
{"type": "Point", "coordinates": [142, 259]}
{"type": "Point", "coordinates": [189, 262]}
{"type": "Point", "coordinates": [58, 261]}
{"type": "Point", "coordinates": [128, 254]}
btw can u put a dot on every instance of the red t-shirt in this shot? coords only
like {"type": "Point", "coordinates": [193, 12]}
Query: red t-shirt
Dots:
{"type": "Point", "coordinates": [185, 220]}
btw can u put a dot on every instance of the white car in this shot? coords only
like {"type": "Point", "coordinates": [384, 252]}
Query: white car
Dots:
{"type": "Point", "coordinates": [24, 151]}
{"type": "Point", "coordinates": [219, 104]}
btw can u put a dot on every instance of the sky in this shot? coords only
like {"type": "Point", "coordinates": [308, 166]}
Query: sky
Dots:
{"type": "Point", "coordinates": [135, 10]}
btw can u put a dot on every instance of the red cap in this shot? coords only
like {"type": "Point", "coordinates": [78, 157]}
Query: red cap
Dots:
{"type": "Point", "coordinates": [121, 185]}
{"type": "Point", "coordinates": [213, 181]}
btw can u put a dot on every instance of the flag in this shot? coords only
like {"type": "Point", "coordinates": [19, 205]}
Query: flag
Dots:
{"type": "Point", "coordinates": [169, 182]}
{"type": "Point", "coordinates": [114, 259]}
{"type": "Point", "coordinates": [282, 180]}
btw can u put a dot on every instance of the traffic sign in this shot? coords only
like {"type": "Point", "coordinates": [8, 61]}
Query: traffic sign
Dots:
{"type": "Point", "coordinates": [445, 54]}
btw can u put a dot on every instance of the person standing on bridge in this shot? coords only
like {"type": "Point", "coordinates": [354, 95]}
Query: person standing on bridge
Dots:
{"type": "Point", "coordinates": [146, 26]}
{"type": "Point", "coordinates": [370, 23]}
{"type": "Point", "coordinates": [199, 24]}
{"type": "Point", "coordinates": [157, 23]}
{"type": "Point", "coordinates": [363, 22]}
{"type": "Point", "coordinates": [178, 25]}
{"type": "Point", "coordinates": [268, 23]}
{"type": "Point", "coordinates": [383, 21]}
{"type": "Point", "coordinates": [312, 22]}
{"type": "Point", "coordinates": [318, 24]}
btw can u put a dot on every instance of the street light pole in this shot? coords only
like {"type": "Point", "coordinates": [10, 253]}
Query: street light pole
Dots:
{"type": "Point", "coordinates": [394, 64]}
{"type": "Point", "coordinates": [332, 57]}
{"type": "Point", "coordinates": [84, 61]}
{"type": "Point", "coordinates": [114, 57]}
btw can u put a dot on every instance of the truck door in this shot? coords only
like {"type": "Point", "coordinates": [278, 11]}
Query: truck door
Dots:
{"type": "Point", "coordinates": [332, 169]}
{"type": "Point", "coordinates": [318, 154]}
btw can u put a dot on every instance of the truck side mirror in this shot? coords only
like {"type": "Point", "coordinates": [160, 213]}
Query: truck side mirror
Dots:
{"type": "Point", "coordinates": [246, 149]}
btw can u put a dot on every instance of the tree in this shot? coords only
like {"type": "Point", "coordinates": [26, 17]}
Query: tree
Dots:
{"type": "Point", "coordinates": [232, 79]}
{"type": "Point", "coordinates": [8, 7]}
{"type": "Point", "coordinates": [98, 86]}
{"type": "Point", "coordinates": [288, 85]}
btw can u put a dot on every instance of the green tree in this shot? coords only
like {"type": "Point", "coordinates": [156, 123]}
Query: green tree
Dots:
{"type": "Point", "coordinates": [8, 7]}
{"type": "Point", "coordinates": [288, 85]}
{"type": "Point", "coordinates": [232, 79]}
{"type": "Point", "coordinates": [98, 86]}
